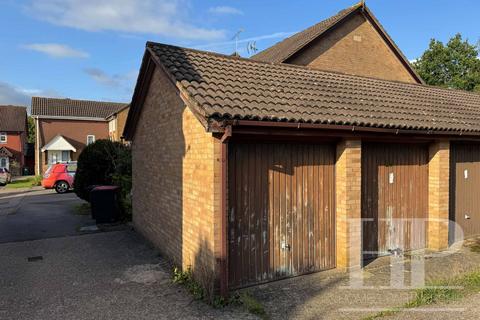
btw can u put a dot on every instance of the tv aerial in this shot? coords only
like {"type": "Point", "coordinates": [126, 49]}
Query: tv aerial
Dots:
{"type": "Point", "coordinates": [236, 37]}
{"type": "Point", "coordinates": [252, 47]}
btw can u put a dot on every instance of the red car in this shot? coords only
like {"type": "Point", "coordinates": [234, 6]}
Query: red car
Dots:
{"type": "Point", "coordinates": [60, 176]}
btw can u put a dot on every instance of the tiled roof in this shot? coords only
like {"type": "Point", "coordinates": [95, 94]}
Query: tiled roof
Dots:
{"type": "Point", "coordinates": [54, 107]}
{"type": "Point", "coordinates": [282, 50]}
{"type": "Point", "coordinates": [13, 118]}
{"type": "Point", "coordinates": [225, 87]}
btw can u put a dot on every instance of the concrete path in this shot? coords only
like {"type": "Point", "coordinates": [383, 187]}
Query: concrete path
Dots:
{"type": "Point", "coordinates": [112, 275]}
{"type": "Point", "coordinates": [336, 295]}
{"type": "Point", "coordinates": [39, 214]}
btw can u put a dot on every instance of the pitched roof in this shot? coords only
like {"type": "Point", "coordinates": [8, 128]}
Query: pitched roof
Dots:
{"type": "Point", "coordinates": [53, 107]}
{"type": "Point", "coordinates": [224, 87]}
{"type": "Point", "coordinates": [4, 152]}
{"type": "Point", "coordinates": [282, 50]}
{"type": "Point", "coordinates": [286, 48]}
{"type": "Point", "coordinates": [13, 118]}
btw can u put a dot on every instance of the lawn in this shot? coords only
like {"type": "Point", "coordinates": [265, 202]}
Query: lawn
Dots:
{"type": "Point", "coordinates": [24, 183]}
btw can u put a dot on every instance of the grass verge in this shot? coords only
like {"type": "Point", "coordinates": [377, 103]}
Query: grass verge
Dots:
{"type": "Point", "coordinates": [25, 183]}
{"type": "Point", "coordinates": [437, 292]}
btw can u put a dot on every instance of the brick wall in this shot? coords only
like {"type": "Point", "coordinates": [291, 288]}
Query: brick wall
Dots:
{"type": "Point", "coordinates": [15, 144]}
{"type": "Point", "coordinates": [75, 131]}
{"type": "Point", "coordinates": [354, 47]}
{"type": "Point", "coordinates": [438, 195]}
{"type": "Point", "coordinates": [175, 173]}
{"type": "Point", "coordinates": [348, 203]}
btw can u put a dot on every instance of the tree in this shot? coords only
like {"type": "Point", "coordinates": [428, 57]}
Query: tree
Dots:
{"type": "Point", "coordinates": [454, 65]}
{"type": "Point", "coordinates": [31, 130]}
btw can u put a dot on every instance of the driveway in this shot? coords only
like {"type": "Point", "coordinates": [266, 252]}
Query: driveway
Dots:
{"type": "Point", "coordinates": [64, 274]}
{"type": "Point", "coordinates": [112, 275]}
{"type": "Point", "coordinates": [39, 214]}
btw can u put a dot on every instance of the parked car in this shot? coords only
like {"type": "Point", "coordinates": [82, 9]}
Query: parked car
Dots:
{"type": "Point", "coordinates": [60, 176]}
{"type": "Point", "coordinates": [5, 176]}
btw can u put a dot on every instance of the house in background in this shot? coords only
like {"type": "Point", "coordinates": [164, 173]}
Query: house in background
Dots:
{"type": "Point", "coordinates": [352, 41]}
{"type": "Point", "coordinates": [116, 124]}
{"type": "Point", "coordinates": [13, 138]}
{"type": "Point", "coordinates": [65, 126]}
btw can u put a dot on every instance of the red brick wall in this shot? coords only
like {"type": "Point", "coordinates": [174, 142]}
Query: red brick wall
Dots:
{"type": "Point", "coordinates": [15, 143]}
{"type": "Point", "coordinates": [175, 172]}
{"type": "Point", "coordinates": [354, 47]}
{"type": "Point", "coordinates": [75, 131]}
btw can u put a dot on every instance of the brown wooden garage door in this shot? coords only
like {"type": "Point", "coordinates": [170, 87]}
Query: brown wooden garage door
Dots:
{"type": "Point", "coordinates": [394, 195]}
{"type": "Point", "coordinates": [465, 189]}
{"type": "Point", "coordinates": [281, 211]}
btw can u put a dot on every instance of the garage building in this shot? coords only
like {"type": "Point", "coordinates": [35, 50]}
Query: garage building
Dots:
{"type": "Point", "coordinates": [249, 170]}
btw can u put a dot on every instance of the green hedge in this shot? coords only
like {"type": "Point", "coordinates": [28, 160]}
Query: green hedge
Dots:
{"type": "Point", "coordinates": [105, 163]}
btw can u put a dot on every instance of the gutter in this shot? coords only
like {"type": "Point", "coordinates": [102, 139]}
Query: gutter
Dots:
{"type": "Point", "coordinates": [70, 118]}
{"type": "Point", "coordinates": [346, 128]}
{"type": "Point", "coordinates": [37, 145]}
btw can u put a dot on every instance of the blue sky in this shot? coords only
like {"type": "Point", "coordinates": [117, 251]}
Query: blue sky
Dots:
{"type": "Point", "coordinates": [92, 49]}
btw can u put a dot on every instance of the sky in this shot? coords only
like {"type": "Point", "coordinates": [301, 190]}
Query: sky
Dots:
{"type": "Point", "coordinates": [92, 49]}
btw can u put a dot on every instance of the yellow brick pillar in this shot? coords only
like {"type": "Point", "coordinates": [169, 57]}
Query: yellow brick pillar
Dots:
{"type": "Point", "coordinates": [348, 204]}
{"type": "Point", "coordinates": [438, 189]}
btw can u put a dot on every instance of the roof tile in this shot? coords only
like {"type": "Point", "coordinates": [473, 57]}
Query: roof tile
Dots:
{"type": "Point", "coordinates": [234, 88]}
{"type": "Point", "coordinates": [13, 118]}
{"type": "Point", "coordinates": [54, 107]}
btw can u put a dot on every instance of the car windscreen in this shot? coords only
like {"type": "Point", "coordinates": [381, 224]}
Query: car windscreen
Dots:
{"type": "Point", "coordinates": [71, 168]}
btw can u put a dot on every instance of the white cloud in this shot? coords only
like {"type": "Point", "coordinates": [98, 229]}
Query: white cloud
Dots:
{"type": "Point", "coordinates": [162, 17]}
{"type": "Point", "coordinates": [117, 81]}
{"type": "Point", "coordinates": [10, 94]}
{"type": "Point", "coordinates": [225, 10]}
{"type": "Point", "coordinates": [57, 50]}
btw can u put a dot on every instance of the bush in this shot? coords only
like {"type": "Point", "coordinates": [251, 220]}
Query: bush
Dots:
{"type": "Point", "coordinates": [105, 163]}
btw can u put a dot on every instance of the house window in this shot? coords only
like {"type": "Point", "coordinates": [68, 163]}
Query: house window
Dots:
{"type": "Point", "coordinates": [3, 137]}
{"type": "Point", "coordinates": [65, 156]}
{"type": "Point", "coordinates": [3, 162]}
{"type": "Point", "coordinates": [90, 139]}
{"type": "Point", "coordinates": [56, 156]}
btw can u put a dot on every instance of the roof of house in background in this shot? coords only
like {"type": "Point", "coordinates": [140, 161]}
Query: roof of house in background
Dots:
{"type": "Point", "coordinates": [13, 118]}
{"type": "Point", "coordinates": [117, 111]}
{"type": "Point", "coordinates": [224, 87]}
{"type": "Point", "coordinates": [70, 108]}
{"type": "Point", "coordinates": [286, 48]}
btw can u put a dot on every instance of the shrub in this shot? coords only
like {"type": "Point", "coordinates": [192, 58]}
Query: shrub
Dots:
{"type": "Point", "coordinates": [105, 163]}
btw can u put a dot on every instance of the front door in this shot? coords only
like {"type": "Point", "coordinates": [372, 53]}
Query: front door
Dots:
{"type": "Point", "coordinates": [281, 211]}
{"type": "Point", "coordinates": [4, 163]}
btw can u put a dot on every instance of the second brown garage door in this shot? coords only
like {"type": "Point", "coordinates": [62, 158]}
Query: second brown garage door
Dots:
{"type": "Point", "coordinates": [465, 190]}
{"type": "Point", "coordinates": [394, 197]}
{"type": "Point", "coordinates": [281, 211]}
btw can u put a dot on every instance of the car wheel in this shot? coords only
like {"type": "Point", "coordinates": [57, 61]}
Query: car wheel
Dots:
{"type": "Point", "coordinates": [61, 187]}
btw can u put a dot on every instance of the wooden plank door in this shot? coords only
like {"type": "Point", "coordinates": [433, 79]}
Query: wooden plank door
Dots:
{"type": "Point", "coordinates": [464, 190]}
{"type": "Point", "coordinates": [281, 211]}
{"type": "Point", "coordinates": [394, 197]}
